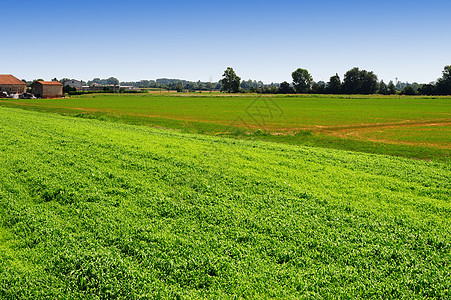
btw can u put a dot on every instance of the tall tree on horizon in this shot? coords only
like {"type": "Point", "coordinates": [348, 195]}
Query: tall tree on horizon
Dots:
{"type": "Point", "coordinates": [444, 83]}
{"type": "Point", "coordinates": [360, 82]}
{"type": "Point", "coordinates": [334, 85]}
{"type": "Point", "coordinates": [230, 81]}
{"type": "Point", "coordinates": [301, 80]}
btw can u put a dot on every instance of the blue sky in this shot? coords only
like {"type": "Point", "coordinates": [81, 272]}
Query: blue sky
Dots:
{"type": "Point", "coordinates": [197, 40]}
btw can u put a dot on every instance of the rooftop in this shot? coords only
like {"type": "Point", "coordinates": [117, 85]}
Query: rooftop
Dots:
{"type": "Point", "coordinates": [50, 82]}
{"type": "Point", "coordinates": [10, 79]}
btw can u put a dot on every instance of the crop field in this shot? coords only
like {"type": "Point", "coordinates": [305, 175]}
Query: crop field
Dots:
{"type": "Point", "coordinates": [414, 127]}
{"type": "Point", "coordinates": [99, 210]}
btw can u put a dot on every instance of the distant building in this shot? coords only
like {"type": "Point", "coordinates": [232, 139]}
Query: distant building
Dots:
{"type": "Point", "coordinates": [12, 85]}
{"type": "Point", "coordinates": [73, 83]}
{"type": "Point", "coordinates": [101, 87]}
{"type": "Point", "coordinates": [47, 89]}
{"type": "Point", "coordinates": [128, 88]}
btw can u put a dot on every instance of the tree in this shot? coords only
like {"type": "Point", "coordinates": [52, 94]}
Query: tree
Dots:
{"type": "Point", "coordinates": [443, 85]}
{"type": "Point", "coordinates": [68, 88]}
{"type": "Point", "coordinates": [230, 81]}
{"type": "Point", "coordinates": [334, 85]}
{"type": "Point", "coordinates": [301, 80]}
{"type": "Point", "coordinates": [113, 81]}
{"type": "Point", "coordinates": [285, 88]}
{"type": "Point", "coordinates": [408, 90]}
{"type": "Point", "coordinates": [427, 89]}
{"type": "Point", "coordinates": [318, 88]}
{"type": "Point", "coordinates": [383, 88]}
{"type": "Point", "coordinates": [179, 87]}
{"type": "Point", "coordinates": [210, 86]}
{"type": "Point", "coordinates": [391, 88]}
{"type": "Point", "coordinates": [359, 82]}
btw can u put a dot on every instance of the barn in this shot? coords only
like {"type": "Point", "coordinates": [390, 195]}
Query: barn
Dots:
{"type": "Point", "coordinates": [12, 85]}
{"type": "Point", "coordinates": [47, 89]}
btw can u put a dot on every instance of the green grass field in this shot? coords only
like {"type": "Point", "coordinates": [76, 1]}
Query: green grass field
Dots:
{"type": "Point", "coordinates": [343, 122]}
{"type": "Point", "coordinates": [102, 210]}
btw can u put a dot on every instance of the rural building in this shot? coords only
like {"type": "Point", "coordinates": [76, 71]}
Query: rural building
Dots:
{"type": "Point", "coordinates": [47, 89]}
{"type": "Point", "coordinates": [128, 88]}
{"type": "Point", "coordinates": [12, 85]}
{"type": "Point", "coordinates": [73, 83]}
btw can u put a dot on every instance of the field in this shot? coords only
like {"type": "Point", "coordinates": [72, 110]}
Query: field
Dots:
{"type": "Point", "coordinates": [100, 210]}
{"type": "Point", "coordinates": [414, 127]}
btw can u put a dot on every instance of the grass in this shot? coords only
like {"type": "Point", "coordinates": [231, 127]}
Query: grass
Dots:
{"type": "Point", "coordinates": [438, 135]}
{"type": "Point", "coordinates": [101, 210]}
{"type": "Point", "coordinates": [341, 122]}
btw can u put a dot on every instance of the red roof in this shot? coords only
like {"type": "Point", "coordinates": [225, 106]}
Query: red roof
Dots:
{"type": "Point", "coordinates": [50, 83]}
{"type": "Point", "coordinates": [10, 79]}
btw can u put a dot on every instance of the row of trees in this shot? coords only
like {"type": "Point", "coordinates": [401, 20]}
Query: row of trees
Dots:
{"type": "Point", "coordinates": [355, 81]}
{"type": "Point", "coordinates": [175, 84]}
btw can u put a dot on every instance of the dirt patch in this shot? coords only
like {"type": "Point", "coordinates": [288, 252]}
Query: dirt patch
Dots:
{"type": "Point", "coordinates": [355, 132]}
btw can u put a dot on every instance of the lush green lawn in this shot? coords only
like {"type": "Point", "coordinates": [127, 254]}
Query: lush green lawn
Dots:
{"type": "Point", "coordinates": [99, 210]}
{"type": "Point", "coordinates": [322, 121]}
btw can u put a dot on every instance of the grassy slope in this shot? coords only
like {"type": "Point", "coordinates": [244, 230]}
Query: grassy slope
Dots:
{"type": "Point", "coordinates": [97, 209]}
{"type": "Point", "coordinates": [318, 116]}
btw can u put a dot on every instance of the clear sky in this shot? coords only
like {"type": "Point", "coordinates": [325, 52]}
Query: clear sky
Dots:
{"type": "Point", "coordinates": [197, 40]}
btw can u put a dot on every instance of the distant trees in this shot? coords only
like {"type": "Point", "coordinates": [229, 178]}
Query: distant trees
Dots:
{"type": "Point", "coordinates": [113, 81]}
{"type": "Point", "coordinates": [285, 88]}
{"type": "Point", "coordinates": [355, 81]}
{"type": "Point", "coordinates": [383, 89]}
{"type": "Point", "coordinates": [359, 82]}
{"type": "Point", "coordinates": [318, 88]}
{"type": "Point", "coordinates": [179, 87]}
{"type": "Point", "coordinates": [408, 90]}
{"type": "Point", "coordinates": [427, 89]}
{"type": "Point", "coordinates": [68, 88]}
{"type": "Point", "coordinates": [230, 81]}
{"type": "Point", "coordinates": [301, 80]}
{"type": "Point", "coordinates": [209, 86]}
{"type": "Point", "coordinates": [391, 88]}
{"type": "Point", "coordinates": [334, 85]}
{"type": "Point", "coordinates": [443, 86]}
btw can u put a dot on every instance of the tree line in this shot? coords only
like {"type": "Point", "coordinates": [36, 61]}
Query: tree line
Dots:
{"type": "Point", "coordinates": [355, 81]}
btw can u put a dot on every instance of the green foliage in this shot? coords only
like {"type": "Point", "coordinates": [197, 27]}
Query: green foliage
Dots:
{"type": "Point", "coordinates": [179, 87]}
{"type": "Point", "coordinates": [408, 90]}
{"type": "Point", "coordinates": [301, 80]}
{"type": "Point", "coordinates": [383, 89]}
{"type": "Point", "coordinates": [285, 88]}
{"type": "Point", "coordinates": [359, 82]}
{"type": "Point", "coordinates": [69, 89]}
{"type": "Point", "coordinates": [230, 81]}
{"type": "Point", "coordinates": [391, 88]}
{"type": "Point", "coordinates": [443, 86]}
{"type": "Point", "coordinates": [334, 85]}
{"type": "Point", "coordinates": [98, 210]}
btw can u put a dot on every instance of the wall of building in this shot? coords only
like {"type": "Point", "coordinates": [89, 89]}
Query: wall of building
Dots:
{"type": "Point", "coordinates": [13, 88]}
{"type": "Point", "coordinates": [36, 89]}
{"type": "Point", "coordinates": [52, 91]}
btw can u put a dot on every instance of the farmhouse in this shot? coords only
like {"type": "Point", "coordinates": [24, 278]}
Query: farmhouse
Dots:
{"type": "Point", "coordinates": [74, 83]}
{"type": "Point", "coordinates": [47, 89]}
{"type": "Point", "coordinates": [12, 85]}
